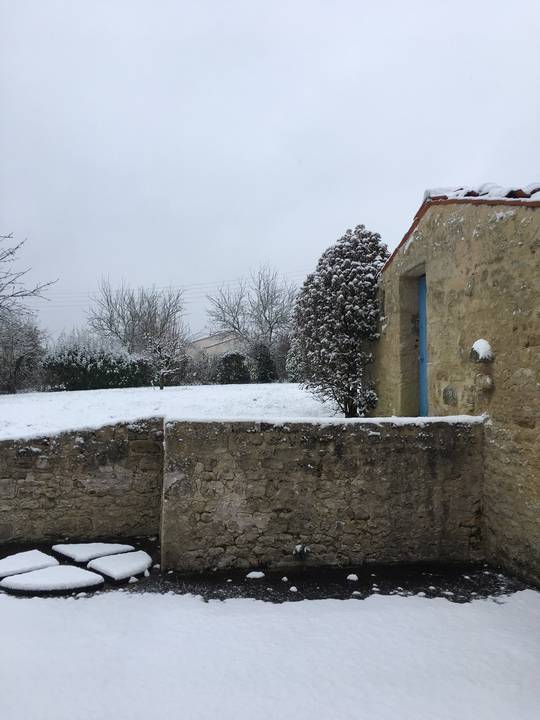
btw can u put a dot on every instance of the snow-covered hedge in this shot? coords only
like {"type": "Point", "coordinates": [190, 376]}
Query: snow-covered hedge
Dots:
{"type": "Point", "coordinates": [83, 368]}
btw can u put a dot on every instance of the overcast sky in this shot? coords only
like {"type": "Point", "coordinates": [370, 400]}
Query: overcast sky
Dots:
{"type": "Point", "coordinates": [183, 143]}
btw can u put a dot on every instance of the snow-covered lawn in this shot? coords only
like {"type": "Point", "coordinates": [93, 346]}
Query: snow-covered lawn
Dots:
{"type": "Point", "coordinates": [34, 414]}
{"type": "Point", "coordinates": [126, 656]}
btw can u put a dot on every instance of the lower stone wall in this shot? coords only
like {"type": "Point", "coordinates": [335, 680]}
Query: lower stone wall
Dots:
{"type": "Point", "coordinates": [86, 484]}
{"type": "Point", "coordinates": [511, 497]}
{"type": "Point", "coordinates": [245, 494]}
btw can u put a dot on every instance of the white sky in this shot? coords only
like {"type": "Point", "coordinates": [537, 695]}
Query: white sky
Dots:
{"type": "Point", "coordinates": [183, 143]}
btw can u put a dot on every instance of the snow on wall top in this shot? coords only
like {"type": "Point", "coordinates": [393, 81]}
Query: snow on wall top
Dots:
{"type": "Point", "coordinates": [487, 191]}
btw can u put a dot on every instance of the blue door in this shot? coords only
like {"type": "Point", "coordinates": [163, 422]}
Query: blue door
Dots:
{"type": "Point", "coordinates": [422, 347]}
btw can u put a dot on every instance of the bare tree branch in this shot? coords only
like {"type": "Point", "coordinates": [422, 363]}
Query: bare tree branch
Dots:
{"type": "Point", "coordinates": [259, 310]}
{"type": "Point", "coordinates": [139, 319]}
{"type": "Point", "coordinates": [13, 291]}
{"type": "Point", "coordinates": [21, 347]}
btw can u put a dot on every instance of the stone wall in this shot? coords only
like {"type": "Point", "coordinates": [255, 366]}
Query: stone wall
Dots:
{"type": "Point", "coordinates": [86, 484]}
{"type": "Point", "coordinates": [482, 267]}
{"type": "Point", "coordinates": [244, 495]}
{"type": "Point", "coordinates": [511, 498]}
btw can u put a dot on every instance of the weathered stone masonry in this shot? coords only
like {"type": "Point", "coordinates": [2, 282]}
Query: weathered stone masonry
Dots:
{"type": "Point", "coordinates": [482, 266]}
{"type": "Point", "coordinates": [85, 484]}
{"type": "Point", "coordinates": [245, 494]}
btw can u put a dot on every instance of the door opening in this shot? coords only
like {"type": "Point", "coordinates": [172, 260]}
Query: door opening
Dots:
{"type": "Point", "coordinates": [423, 405]}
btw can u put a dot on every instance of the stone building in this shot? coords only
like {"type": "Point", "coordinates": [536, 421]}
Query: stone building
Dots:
{"type": "Point", "coordinates": [461, 335]}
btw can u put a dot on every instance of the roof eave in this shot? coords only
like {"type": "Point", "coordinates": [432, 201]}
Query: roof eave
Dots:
{"type": "Point", "coordinates": [443, 200]}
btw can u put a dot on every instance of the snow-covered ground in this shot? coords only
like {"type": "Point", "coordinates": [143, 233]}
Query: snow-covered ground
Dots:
{"type": "Point", "coordinates": [35, 414]}
{"type": "Point", "coordinates": [136, 656]}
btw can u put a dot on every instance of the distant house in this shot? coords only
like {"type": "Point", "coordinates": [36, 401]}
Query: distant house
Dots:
{"type": "Point", "coordinates": [216, 344]}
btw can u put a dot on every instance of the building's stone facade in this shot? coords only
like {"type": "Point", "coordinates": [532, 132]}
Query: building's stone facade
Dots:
{"type": "Point", "coordinates": [482, 267]}
{"type": "Point", "coordinates": [85, 484]}
{"type": "Point", "coordinates": [244, 495]}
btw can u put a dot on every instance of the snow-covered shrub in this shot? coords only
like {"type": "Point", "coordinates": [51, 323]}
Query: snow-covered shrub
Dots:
{"type": "Point", "coordinates": [335, 321]}
{"type": "Point", "coordinates": [202, 369]}
{"type": "Point", "coordinates": [262, 366]}
{"type": "Point", "coordinates": [232, 369]}
{"type": "Point", "coordinates": [84, 368]}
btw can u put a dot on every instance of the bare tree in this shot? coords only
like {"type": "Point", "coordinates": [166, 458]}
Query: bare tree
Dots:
{"type": "Point", "coordinates": [13, 291]}
{"type": "Point", "coordinates": [146, 322]}
{"type": "Point", "coordinates": [86, 339]}
{"type": "Point", "coordinates": [257, 310]}
{"type": "Point", "coordinates": [139, 317]}
{"type": "Point", "coordinates": [21, 349]}
{"type": "Point", "coordinates": [229, 310]}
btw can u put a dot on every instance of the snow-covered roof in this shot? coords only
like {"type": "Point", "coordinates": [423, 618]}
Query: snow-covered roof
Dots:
{"type": "Point", "coordinates": [487, 191]}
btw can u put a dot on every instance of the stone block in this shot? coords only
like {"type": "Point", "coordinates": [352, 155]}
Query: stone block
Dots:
{"type": "Point", "coordinates": [8, 488]}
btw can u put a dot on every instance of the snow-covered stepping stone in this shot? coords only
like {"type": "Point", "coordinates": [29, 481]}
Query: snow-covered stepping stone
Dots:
{"type": "Point", "coordinates": [83, 552]}
{"type": "Point", "coordinates": [49, 579]}
{"type": "Point", "coordinates": [120, 567]}
{"type": "Point", "coordinates": [25, 562]}
{"type": "Point", "coordinates": [255, 575]}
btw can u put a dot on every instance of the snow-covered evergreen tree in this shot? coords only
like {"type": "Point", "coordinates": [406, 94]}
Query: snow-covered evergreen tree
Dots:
{"type": "Point", "coordinates": [335, 321]}
{"type": "Point", "coordinates": [261, 364]}
{"type": "Point", "coordinates": [292, 364]}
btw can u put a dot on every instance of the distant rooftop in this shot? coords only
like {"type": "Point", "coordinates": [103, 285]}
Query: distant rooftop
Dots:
{"type": "Point", "coordinates": [487, 191]}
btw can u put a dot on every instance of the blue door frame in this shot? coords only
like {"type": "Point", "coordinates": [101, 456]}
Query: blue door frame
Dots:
{"type": "Point", "coordinates": [423, 406]}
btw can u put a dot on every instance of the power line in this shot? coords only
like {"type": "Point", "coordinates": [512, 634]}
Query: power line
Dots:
{"type": "Point", "coordinates": [193, 292]}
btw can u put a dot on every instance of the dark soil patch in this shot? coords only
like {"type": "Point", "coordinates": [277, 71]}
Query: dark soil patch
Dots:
{"type": "Point", "coordinates": [457, 583]}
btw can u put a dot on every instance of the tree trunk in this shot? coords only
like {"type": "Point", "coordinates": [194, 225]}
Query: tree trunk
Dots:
{"type": "Point", "coordinates": [11, 384]}
{"type": "Point", "coordinates": [351, 408]}
{"type": "Point", "coordinates": [14, 376]}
